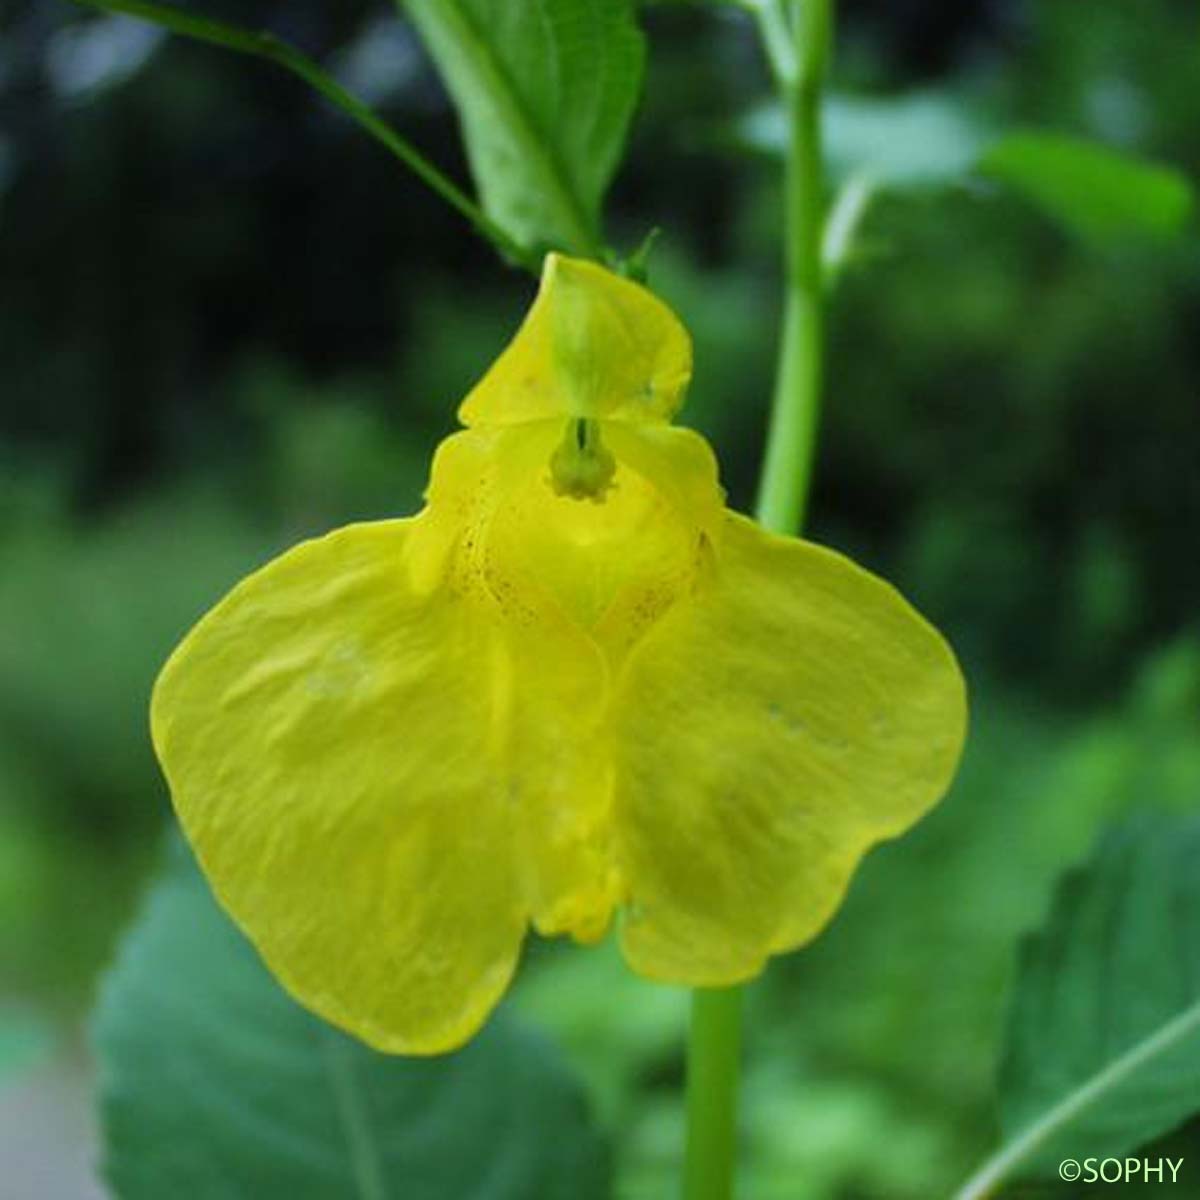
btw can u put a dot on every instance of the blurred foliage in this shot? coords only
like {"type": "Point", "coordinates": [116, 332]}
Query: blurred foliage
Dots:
{"type": "Point", "coordinates": [1090, 188]}
{"type": "Point", "coordinates": [228, 322]}
{"type": "Point", "coordinates": [26, 1039]}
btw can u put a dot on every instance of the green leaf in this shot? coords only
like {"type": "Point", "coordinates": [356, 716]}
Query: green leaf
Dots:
{"type": "Point", "coordinates": [545, 90]}
{"type": "Point", "coordinates": [923, 139]}
{"type": "Point", "coordinates": [930, 140]}
{"type": "Point", "coordinates": [1103, 1045]}
{"type": "Point", "coordinates": [214, 1083]}
{"type": "Point", "coordinates": [1091, 189]}
{"type": "Point", "coordinates": [919, 140]}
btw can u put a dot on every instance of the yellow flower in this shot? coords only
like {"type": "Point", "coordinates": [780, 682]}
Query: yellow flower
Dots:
{"type": "Point", "coordinates": [574, 685]}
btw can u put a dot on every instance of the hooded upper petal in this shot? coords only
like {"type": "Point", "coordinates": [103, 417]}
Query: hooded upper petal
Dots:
{"type": "Point", "coordinates": [593, 345]}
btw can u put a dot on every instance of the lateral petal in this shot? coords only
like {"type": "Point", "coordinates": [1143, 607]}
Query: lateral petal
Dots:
{"type": "Point", "coordinates": [326, 731]}
{"type": "Point", "coordinates": [768, 731]}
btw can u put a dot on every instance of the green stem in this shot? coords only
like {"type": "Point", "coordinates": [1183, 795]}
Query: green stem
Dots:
{"type": "Point", "coordinates": [267, 46]}
{"type": "Point", "coordinates": [714, 1055]}
{"type": "Point", "coordinates": [791, 438]}
{"type": "Point", "coordinates": [714, 1045]}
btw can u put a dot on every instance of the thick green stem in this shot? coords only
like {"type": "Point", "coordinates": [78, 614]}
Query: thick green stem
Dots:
{"type": "Point", "coordinates": [714, 1047]}
{"type": "Point", "coordinates": [714, 1056]}
{"type": "Point", "coordinates": [791, 439]}
{"type": "Point", "coordinates": [787, 468]}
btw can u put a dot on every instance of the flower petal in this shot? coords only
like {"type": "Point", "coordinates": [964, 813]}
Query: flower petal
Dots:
{"type": "Point", "coordinates": [331, 737]}
{"type": "Point", "coordinates": [593, 345]}
{"type": "Point", "coordinates": [607, 568]}
{"type": "Point", "coordinates": [768, 731]}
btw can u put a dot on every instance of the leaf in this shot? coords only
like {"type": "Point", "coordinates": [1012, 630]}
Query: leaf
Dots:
{"type": "Point", "coordinates": [1103, 1045]}
{"type": "Point", "coordinates": [545, 90]}
{"type": "Point", "coordinates": [1092, 190]}
{"type": "Point", "coordinates": [913, 141]}
{"type": "Point", "coordinates": [930, 139]}
{"type": "Point", "coordinates": [214, 1083]}
{"type": "Point", "coordinates": [923, 139]}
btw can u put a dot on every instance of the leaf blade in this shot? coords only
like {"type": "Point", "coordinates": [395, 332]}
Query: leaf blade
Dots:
{"type": "Point", "coordinates": [913, 141]}
{"type": "Point", "coordinates": [1103, 1046]}
{"type": "Point", "coordinates": [1093, 190]}
{"type": "Point", "coordinates": [545, 90]}
{"type": "Point", "coordinates": [215, 1083]}
{"type": "Point", "coordinates": [931, 140]}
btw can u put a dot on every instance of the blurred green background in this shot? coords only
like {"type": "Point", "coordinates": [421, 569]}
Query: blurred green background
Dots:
{"type": "Point", "coordinates": [227, 321]}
